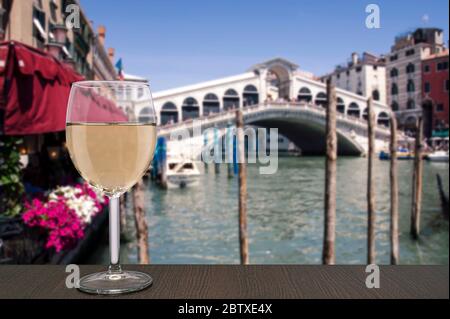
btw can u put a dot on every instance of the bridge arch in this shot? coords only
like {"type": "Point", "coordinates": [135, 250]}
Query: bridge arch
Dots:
{"type": "Point", "coordinates": [340, 105]}
{"type": "Point", "coordinates": [383, 119]}
{"type": "Point", "coordinates": [306, 132]}
{"type": "Point", "coordinates": [365, 114]}
{"type": "Point", "coordinates": [190, 109]}
{"type": "Point", "coordinates": [304, 94]}
{"type": "Point", "coordinates": [278, 76]}
{"type": "Point", "coordinates": [230, 99]}
{"type": "Point", "coordinates": [211, 104]}
{"type": "Point", "coordinates": [146, 114]}
{"type": "Point", "coordinates": [304, 126]}
{"type": "Point", "coordinates": [411, 122]}
{"type": "Point", "coordinates": [354, 110]}
{"type": "Point", "coordinates": [321, 99]}
{"type": "Point", "coordinates": [250, 96]}
{"type": "Point", "coordinates": [169, 113]}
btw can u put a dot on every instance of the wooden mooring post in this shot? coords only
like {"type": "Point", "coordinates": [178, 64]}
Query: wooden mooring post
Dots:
{"type": "Point", "coordinates": [141, 223]}
{"type": "Point", "coordinates": [229, 136]}
{"type": "Point", "coordinates": [444, 198]}
{"type": "Point", "coordinates": [205, 145]}
{"type": "Point", "coordinates": [328, 254]}
{"type": "Point", "coordinates": [243, 233]}
{"type": "Point", "coordinates": [371, 214]}
{"type": "Point", "coordinates": [230, 172]}
{"type": "Point", "coordinates": [417, 181]}
{"type": "Point", "coordinates": [395, 254]}
{"type": "Point", "coordinates": [216, 168]}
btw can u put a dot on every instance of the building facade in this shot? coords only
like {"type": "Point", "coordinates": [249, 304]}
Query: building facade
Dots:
{"type": "Point", "coordinates": [41, 24]}
{"type": "Point", "coordinates": [365, 75]}
{"type": "Point", "coordinates": [404, 72]}
{"type": "Point", "coordinates": [435, 93]}
{"type": "Point", "coordinates": [103, 61]}
{"type": "Point", "coordinates": [131, 97]}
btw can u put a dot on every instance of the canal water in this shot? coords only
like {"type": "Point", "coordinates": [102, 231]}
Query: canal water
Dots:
{"type": "Point", "coordinates": [285, 217]}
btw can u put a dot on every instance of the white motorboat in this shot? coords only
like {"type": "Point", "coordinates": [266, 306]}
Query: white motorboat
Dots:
{"type": "Point", "coordinates": [438, 156]}
{"type": "Point", "coordinates": [181, 172]}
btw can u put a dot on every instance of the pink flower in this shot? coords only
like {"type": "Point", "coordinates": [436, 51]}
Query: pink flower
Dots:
{"type": "Point", "coordinates": [62, 224]}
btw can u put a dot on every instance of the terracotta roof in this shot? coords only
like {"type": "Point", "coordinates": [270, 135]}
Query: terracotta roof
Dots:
{"type": "Point", "coordinates": [437, 55]}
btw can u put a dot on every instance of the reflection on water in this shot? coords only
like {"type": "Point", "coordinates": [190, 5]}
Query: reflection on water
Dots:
{"type": "Point", "coordinates": [199, 225]}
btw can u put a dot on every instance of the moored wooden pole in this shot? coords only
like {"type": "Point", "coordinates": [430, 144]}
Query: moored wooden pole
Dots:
{"type": "Point", "coordinates": [163, 172]}
{"type": "Point", "coordinates": [395, 254]}
{"type": "Point", "coordinates": [328, 253]}
{"type": "Point", "coordinates": [230, 173]}
{"type": "Point", "coordinates": [141, 223]}
{"type": "Point", "coordinates": [417, 181]}
{"type": "Point", "coordinates": [371, 215]}
{"type": "Point", "coordinates": [205, 145]}
{"type": "Point", "coordinates": [243, 234]}
{"type": "Point", "coordinates": [217, 168]}
{"type": "Point", "coordinates": [444, 198]}
{"type": "Point", "coordinates": [229, 151]}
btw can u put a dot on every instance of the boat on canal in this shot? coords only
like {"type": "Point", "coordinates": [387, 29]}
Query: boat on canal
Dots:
{"type": "Point", "coordinates": [181, 172]}
{"type": "Point", "coordinates": [440, 153]}
{"type": "Point", "coordinates": [438, 156]}
{"type": "Point", "coordinates": [402, 154]}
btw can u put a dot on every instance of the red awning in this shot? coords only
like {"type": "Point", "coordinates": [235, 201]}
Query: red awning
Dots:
{"type": "Point", "coordinates": [35, 89]}
{"type": "Point", "coordinates": [92, 107]}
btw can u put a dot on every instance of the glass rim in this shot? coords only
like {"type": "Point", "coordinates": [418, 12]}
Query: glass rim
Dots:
{"type": "Point", "coordinates": [88, 84]}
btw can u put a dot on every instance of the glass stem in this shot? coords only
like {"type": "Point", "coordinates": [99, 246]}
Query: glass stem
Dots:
{"type": "Point", "coordinates": [114, 234]}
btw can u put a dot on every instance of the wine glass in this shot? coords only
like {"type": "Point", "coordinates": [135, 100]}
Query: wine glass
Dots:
{"type": "Point", "coordinates": [112, 149]}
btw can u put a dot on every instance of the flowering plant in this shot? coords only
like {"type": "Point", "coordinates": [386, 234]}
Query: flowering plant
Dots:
{"type": "Point", "coordinates": [84, 200]}
{"type": "Point", "coordinates": [65, 215]}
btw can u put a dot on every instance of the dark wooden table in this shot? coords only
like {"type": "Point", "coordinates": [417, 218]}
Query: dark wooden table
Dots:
{"type": "Point", "coordinates": [240, 282]}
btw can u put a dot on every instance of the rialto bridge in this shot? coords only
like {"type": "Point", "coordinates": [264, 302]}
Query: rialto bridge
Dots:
{"type": "Point", "coordinates": [274, 94]}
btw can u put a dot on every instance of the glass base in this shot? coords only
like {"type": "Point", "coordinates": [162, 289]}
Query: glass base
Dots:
{"type": "Point", "coordinates": [113, 283]}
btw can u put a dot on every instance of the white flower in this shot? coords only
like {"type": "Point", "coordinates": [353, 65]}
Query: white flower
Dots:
{"type": "Point", "coordinates": [83, 206]}
{"type": "Point", "coordinates": [66, 191]}
{"type": "Point", "coordinates": [99, 194]}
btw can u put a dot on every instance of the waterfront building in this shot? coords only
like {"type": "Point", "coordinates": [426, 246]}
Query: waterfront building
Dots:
{"type": "Point", "coordinates": [129, 98]}
{"type": "Point", "coordinates": [435, 93]}
{"type": "Point", "coordinates": [41, 24]}
{"type": "Point", "coordinates": [404, 72]}
{"type": "Point", "coordinates": [103, 62]}
{"type": "Point", "coordinates": [365, 75]}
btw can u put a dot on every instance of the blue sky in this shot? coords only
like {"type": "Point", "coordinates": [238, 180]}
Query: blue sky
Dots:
{"type": "Point", "coordinates": [180, 42]}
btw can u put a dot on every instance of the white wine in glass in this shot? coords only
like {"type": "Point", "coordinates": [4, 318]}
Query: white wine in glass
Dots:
{"type": "Point", "coordinates": [112, 149]}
